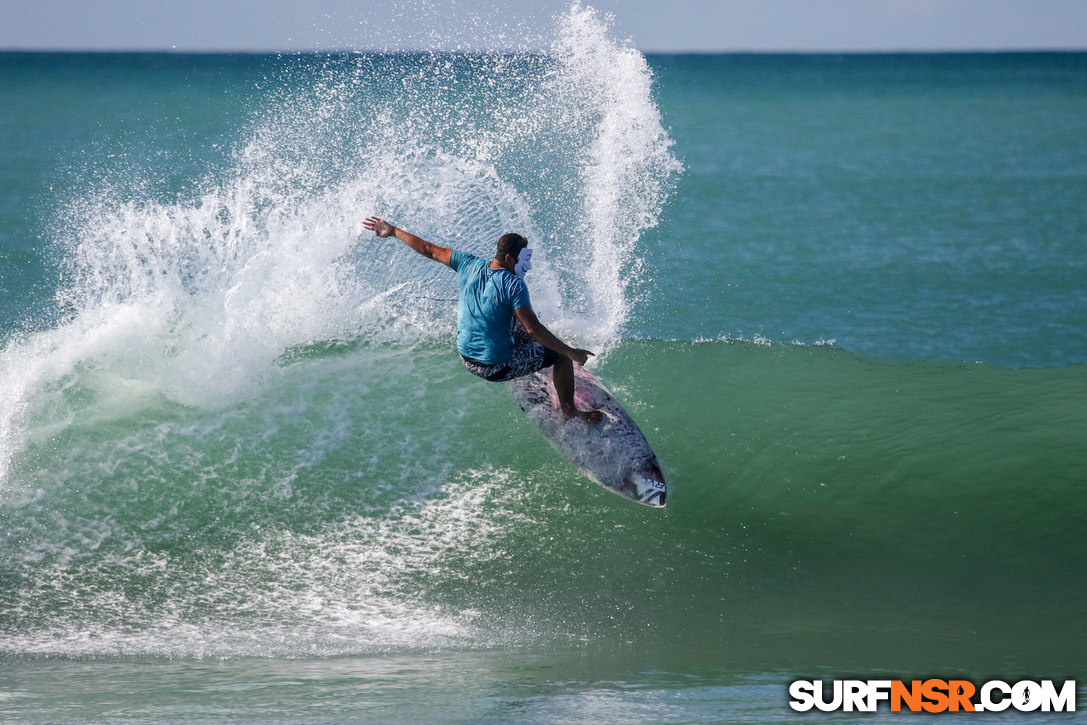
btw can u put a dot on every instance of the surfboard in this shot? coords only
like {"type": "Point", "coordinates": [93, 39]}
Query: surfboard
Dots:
{"type": "Point", "coordinates": [613, 453]}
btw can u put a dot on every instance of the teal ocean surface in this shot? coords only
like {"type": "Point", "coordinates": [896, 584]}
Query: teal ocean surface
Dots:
{"type": "Point", "coordinates": [244, 477]}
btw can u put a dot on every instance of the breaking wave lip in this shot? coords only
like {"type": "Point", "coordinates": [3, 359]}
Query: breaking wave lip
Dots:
{"type": "Point", "coordinates": [761, 341]}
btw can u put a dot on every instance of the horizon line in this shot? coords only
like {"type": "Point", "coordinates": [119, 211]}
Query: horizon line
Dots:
{"type": "Point", "coordinates": [472, 51]}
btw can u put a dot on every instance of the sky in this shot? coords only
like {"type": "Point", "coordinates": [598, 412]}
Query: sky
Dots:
{"type": "Point", "coordinates": [650, 25]}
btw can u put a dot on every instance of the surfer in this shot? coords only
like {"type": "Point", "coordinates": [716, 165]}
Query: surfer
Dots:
{"type": "Point", "coordinates": [493, 295]}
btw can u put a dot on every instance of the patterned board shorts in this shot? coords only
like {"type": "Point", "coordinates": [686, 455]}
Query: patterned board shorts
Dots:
{"type": "Point", "coordinates": [528, 357]}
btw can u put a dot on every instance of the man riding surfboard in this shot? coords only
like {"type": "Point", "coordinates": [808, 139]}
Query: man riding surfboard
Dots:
{"type": "Point", "coordinates": [492, 295]}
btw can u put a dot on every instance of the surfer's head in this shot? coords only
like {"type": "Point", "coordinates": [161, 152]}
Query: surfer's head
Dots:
{"type": "Point", "coordinates": [509, 249]}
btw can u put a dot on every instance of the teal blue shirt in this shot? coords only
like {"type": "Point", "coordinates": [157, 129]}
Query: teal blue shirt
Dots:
{"type": "Point", "coordinates": [485, 308]}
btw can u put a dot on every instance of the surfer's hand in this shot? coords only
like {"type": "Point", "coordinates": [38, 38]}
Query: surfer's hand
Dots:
{"type": "Point", "coordinates": [580, 356]}
{"type": "Point", "coordinates": [379, 227]}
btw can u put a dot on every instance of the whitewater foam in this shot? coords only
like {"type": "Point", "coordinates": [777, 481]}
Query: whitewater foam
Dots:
{"type": "Point", "coordinates": [356, 588]}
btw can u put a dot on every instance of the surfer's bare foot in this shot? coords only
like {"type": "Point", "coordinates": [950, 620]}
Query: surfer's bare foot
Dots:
{"type": "Point", "coordinates": [591, 417]}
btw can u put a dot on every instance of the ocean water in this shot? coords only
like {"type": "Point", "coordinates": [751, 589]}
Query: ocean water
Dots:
{"type": "Point", "coordinates": [244, 478]}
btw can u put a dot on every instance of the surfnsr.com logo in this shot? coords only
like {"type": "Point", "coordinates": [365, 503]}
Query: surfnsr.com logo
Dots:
{"type": "Point", "coordinates": [932, 696]}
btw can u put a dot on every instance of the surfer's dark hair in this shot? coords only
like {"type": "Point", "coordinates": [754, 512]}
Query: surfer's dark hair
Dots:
{"type": "Point", "coordinates": [511, 244]}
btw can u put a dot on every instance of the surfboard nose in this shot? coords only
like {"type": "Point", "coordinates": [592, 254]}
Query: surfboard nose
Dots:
{"type": "Point", "coordinates": [648, 481]}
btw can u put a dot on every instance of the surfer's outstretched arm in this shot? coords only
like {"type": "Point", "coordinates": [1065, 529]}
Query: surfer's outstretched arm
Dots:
{"type": "Point", "coordinates": [382, 228]}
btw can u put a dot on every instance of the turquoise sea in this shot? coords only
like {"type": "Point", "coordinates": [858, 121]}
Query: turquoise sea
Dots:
{"type": "Point", "coordinates": [244, 477]}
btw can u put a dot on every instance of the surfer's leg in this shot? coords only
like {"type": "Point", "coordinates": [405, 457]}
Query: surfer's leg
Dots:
{"type": "Point", "coordinates": [564, 386]}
